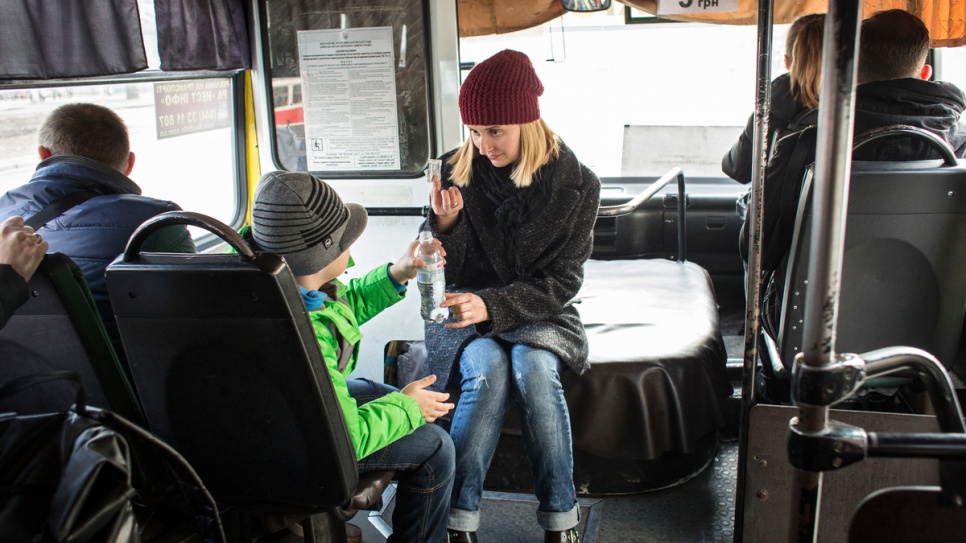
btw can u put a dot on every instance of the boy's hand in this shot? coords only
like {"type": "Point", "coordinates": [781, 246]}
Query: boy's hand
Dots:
{"type": "Point", "coordinates": [21, 247]}
{"type": "Point", "coordinates": [467, 308]}
{"type": "Point", "coordinates": [430, 403]}
{"type": "Point", "coordinates": [404, 269]}
{"type": "Point", "coordinates": [446, 205]}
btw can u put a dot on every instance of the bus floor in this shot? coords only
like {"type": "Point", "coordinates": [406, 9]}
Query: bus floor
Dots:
{"type": "Point", "coordinates": [699, 510]}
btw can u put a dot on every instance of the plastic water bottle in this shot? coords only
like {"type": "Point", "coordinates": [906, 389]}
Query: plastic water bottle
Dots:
{"type": "Point", "coordinates": [431, 279]}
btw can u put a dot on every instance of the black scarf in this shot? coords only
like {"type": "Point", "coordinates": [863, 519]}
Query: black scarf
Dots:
{"type": "Point", "coordinates": [513, 206]}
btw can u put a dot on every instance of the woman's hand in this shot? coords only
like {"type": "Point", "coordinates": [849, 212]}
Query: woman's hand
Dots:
{"type": "Point", "coordinates": [467, 308]}
{"type": "Point", "coordinates": [446, 206]}
{"type": "Point", "coordinates": [430, 403]}
{"type": "Point", "coordinates": [404, 269]}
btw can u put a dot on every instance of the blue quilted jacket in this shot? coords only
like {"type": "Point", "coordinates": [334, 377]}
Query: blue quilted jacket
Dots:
{"type": "Point", "coordinates": [95, 232]}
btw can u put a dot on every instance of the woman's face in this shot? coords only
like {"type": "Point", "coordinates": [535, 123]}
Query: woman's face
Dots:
{"type": "Point", "coordinates": [499, 143]}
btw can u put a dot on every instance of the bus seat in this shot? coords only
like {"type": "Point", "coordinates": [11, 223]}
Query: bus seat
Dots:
{"type": "Point", "coordinates": [59, 328]}
{"type": "Point", "coordinates": [902, 281]}
{"type": "Point", "coordinates": [657, 379]}
{"type": "Point", "coordinates": [646, 414]}
{"type": "Point", "coordinates": [907, 515]}
{"type": "Point", "coordinates": [229, 372]}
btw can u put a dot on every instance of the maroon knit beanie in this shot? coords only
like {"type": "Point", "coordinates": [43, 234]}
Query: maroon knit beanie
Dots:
{"type": "Point", "coordinates": [502, 89]}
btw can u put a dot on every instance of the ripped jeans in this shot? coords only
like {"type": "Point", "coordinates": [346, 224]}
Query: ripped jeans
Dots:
{"type": "Point", "coordinates": [491, 374]}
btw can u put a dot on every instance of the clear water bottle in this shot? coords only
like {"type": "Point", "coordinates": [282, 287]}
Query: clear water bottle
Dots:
{"type": "Point", "coordinates": [431, 279]}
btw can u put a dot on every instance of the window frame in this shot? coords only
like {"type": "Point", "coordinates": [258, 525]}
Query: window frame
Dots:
{"type": "Point", "coordinates": [430, 119]}
{"type": "Point", "coordinates": [207, 240]}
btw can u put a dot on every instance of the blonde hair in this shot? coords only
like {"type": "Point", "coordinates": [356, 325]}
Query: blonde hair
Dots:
{"type": "Point", "coordinates": [806, 69]}
{"type": "Point", "coordinates": [538, 144]}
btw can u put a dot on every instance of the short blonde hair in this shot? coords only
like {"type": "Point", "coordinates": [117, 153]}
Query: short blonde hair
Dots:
{"type": "Point", "coordinates": [538, 144]}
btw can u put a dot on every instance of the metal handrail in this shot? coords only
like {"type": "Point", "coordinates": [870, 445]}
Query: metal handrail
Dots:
{"type": "Point", "coordinates": [647, 194]}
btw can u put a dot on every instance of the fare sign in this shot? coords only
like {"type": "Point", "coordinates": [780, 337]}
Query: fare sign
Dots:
{"type": "Point", "coordinates": [691, 7]}
{"type": "Point", "coordinates": [187, 107]}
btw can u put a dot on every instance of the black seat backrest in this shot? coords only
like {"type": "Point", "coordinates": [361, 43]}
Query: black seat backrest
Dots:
{"type": "Point", "coordinates": [907, 515]}
{"type": "Point", "coordinates": [59, 328]}
{"type": "Point", "coordinates": [903, 280]}
{"type": "Point", "coordinates": [229, 372]}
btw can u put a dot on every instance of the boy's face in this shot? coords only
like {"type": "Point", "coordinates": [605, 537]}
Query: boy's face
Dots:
{"type": "Point", "coordinates": [326, 274]}
{"type": "Point", "coordinates": [336, 267]}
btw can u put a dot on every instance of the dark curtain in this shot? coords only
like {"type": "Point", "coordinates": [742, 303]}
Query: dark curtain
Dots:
{"type": "Point", "coordinates": [48, 39]}
{"type": "Point", "coordinates": [202, 35]}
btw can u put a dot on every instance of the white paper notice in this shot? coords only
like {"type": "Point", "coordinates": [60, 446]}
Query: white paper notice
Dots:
{"type": "Point", "coordinates": [349, 93]}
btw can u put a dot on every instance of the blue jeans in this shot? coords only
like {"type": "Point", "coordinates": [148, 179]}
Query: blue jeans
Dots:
{"type": "Point", "coordinates": [491, 374]}
{"type": "Point", "coordinates": [424, 464]}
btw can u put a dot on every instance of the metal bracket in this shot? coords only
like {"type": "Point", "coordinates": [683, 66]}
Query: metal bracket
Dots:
{"type": "Point", "coordinates": [837, 446]}
{"type": "Point", "coordinates": [826, 386]}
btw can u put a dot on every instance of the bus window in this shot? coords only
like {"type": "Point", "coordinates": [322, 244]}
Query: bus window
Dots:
{"type": "Point", "coordinates": [640, 114]}
{"type": "Point", "coordinates": [181, 133]}
{"type": "Point", "coordinates": [356, 126]}
{"type": "Point", "coordinates": [952, 65]}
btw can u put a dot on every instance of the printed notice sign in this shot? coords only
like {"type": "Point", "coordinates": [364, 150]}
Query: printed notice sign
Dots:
{"type": "Point", "coordinates": [186, 107]}
{"type": "Point", "coordinates": [691, 7]}
{"type": "Point", "coordinates": [349, 99]}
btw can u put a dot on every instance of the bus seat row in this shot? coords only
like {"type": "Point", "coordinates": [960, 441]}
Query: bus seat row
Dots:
{"type": "Point", "coordinates": [647, 413]}
{"type": "Point", "coordinates": [239, 389]}
{"type": "Point", "coordinates": [902, 279]}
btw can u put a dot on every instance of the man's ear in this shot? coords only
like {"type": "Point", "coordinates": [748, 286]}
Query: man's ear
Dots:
{"type": "Point", "coordinates": [44, 152]}
{"type": "Point", "coordinates": [130, 164]}
{"type": "Point", "coordinates": [926, 72]}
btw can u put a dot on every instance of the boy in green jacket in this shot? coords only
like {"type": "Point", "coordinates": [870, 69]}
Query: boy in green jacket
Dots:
{"type": "Point", "coordinates": [301, 218]}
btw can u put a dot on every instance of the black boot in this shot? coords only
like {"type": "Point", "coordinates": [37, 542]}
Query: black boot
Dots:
{"type": "Point", "coordinates": [459, 536]}
{"type": "Point", "coordinates": [566, 536]}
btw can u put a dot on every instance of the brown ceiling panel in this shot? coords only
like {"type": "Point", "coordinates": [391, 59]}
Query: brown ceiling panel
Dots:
{"type": "Point", "coordinates": [483, 17]}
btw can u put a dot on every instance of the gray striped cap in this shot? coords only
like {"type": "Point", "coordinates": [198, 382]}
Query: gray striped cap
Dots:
{"type": "Point", "coordinates": [301, 218]}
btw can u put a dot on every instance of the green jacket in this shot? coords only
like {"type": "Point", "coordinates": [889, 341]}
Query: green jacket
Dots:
{"type": "Point", "coordinates": [378, 423]}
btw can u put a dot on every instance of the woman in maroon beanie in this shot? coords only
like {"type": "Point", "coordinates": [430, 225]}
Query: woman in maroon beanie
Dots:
{"type": "Point", "coordinates": [515, 211]}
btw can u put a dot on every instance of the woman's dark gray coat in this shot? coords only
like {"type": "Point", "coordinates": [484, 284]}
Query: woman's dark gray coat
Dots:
{"type": "Point", "coordinates": [552, 245]}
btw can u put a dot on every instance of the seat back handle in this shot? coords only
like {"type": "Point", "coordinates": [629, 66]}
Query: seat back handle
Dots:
{"type": "Point", "coordinates": [947, 153]}
{"type": "Point", "coordinates": [172, 218]}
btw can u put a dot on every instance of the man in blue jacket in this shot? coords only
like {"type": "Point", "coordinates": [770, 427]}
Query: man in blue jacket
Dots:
{"type": "Point", "coordinates": [85, 148]}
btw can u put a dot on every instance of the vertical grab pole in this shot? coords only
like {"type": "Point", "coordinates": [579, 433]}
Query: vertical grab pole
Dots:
{"type": "Point", "coordinates": [682, 222]}
{"type": "Point", "coordinates": [829, 203]}
{"type": "Point", "coordinates": [754, 221]}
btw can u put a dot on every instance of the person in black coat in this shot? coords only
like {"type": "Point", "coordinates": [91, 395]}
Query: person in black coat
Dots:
{"type": "Point", "coordinates": [794, 95]}
{"type": "Point", "coordinates": [21, 250]}
{"type": "Point", "coordinates": [515, 211]}
{"type": "Point", "coordinates": [893, 88]}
